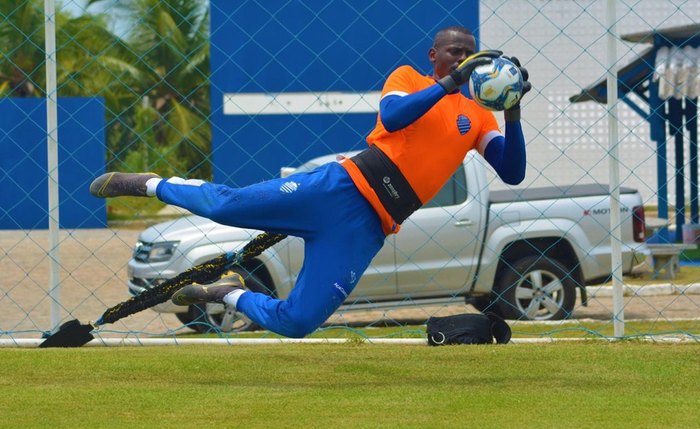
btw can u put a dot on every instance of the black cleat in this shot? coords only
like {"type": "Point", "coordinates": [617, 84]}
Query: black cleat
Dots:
{"type": "Point", "coordinates": [215, 292]}
{"type": "Point", "coordinates": [121, 184]}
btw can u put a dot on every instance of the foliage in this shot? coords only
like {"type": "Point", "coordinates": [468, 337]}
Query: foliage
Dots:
{"type": "Point", "coordinates": [154, 79]}
{"type": "Point", "coordinates": [168, 119]}
{"type": "Point", "coordinates": [90, 59]}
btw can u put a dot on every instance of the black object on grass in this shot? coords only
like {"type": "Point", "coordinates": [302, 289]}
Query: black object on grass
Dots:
{"type": "Point", "coordinates": [70, 334]}
{"type": "Point", "coordinates": [75, 334]}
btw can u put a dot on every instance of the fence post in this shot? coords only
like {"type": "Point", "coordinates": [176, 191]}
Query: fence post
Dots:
{"type": "Point", "coordinates": [52, 164]}
{"type": "Point", "coordinates": [614, 165]}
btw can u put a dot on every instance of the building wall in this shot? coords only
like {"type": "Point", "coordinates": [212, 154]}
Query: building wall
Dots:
{"type": "Point", "coordinates": [23, 162]}
{"type": "Point", "coordinates": [563, 45]}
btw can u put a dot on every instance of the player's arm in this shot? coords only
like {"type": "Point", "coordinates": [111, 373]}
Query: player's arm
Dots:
{"type": "Point", "coordinates": [506, 154]}
{"type": "Point", "coordinates": [398, 109]}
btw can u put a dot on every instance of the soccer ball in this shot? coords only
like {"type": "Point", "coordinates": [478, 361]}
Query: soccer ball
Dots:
{"type": "Point", "coordinates": [496, 86]}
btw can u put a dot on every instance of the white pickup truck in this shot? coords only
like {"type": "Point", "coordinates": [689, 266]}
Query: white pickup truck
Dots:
{"type": "Point", "coordinates": [521, 252]}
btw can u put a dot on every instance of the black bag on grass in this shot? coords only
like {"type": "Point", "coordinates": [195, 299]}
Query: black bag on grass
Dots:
{"type": "Point", "coordinates": [467, 329]}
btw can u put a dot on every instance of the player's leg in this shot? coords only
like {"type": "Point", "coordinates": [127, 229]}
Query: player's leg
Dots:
{"type": "Point", "coordinates": [332, 267]}
{"type": "Point", "coordinates": [278, 205]}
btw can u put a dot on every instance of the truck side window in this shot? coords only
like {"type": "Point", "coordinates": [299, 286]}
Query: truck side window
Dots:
{"type": "Point", "coordinates": [454, 192]}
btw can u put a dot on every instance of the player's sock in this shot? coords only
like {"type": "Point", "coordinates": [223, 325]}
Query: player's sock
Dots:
{"type": "Point", "coordinates": [151, 186]}
{"type": "Point", "coordinates": [232, 297]}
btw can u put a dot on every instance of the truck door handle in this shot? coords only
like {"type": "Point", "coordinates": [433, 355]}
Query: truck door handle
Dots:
{"type": "Point", "coordinates": [464, 222]}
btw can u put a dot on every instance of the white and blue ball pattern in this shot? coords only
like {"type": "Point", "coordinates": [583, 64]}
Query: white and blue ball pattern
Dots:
{"type": "Point", "coordinates": [496, 86]}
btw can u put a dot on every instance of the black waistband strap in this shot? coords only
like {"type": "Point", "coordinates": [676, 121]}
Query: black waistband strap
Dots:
{"type": "Point", "coordinates": [394, 192]}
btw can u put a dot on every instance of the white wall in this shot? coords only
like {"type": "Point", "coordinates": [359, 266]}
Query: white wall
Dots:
{"type": "Point", "coordinates": [563, 45]}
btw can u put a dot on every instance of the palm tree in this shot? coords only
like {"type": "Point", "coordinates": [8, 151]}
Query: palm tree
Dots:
{"type": "Point", "coordinates": [169, 42]}
{"type": "Point", "coordinates": [155, 80]}
{"type": "Point", "coordinates": [22, 56]}
{"type": "Point", "coordinates": [89, 56]}
{"type": "Point", "coordinates": [91, 61]}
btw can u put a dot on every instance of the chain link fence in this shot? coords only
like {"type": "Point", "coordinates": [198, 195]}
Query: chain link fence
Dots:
{"type": "Point", "coordinates": [235, 91]}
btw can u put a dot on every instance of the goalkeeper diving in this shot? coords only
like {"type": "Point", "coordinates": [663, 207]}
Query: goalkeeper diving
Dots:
{"type": "Point", "coordinates": [344, 210]}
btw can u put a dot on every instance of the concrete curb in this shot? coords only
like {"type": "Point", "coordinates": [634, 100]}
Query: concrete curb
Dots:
{"type": "Point", "coordinates": [646, 290]}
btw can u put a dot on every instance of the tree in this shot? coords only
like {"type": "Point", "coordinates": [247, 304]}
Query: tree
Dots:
{"type": "Point", "coordinates": [155, 79]}
{"type": "Point", "coordinates": [169, 43]}
{"type": "Point", "coordinates": [90, 59]}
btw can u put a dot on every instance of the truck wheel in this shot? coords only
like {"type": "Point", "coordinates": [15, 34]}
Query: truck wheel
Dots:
{"type": "Point", "coordinates": [535, 288]}
{"type": "Point", "coordinates": [206, 318]}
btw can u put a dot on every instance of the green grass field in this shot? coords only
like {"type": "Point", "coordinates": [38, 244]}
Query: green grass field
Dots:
{"type": "Point", "coordinates": [520, 330]}
{"type": "Point", "coordinates": [578, 385]}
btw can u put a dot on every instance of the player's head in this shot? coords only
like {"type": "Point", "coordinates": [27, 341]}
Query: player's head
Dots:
{"type": "Point", "coordinates": [451, 46]}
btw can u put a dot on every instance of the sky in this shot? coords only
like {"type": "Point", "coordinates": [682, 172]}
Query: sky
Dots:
{"type": "Point", "coordinates": [78, 7]}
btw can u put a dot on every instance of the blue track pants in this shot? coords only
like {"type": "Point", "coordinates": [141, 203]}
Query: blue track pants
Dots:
{"type": "Point", "coordinates": [341, 232]}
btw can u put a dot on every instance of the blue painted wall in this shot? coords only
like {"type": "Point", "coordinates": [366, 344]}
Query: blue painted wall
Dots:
{"type": "Point", "coordinates": [310, 45]}
{"type": "Point", "coordinates": [23, 162]}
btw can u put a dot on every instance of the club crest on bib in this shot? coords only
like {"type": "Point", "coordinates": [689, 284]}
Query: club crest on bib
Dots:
{"type": "Point", "coordinates": [463, 124]}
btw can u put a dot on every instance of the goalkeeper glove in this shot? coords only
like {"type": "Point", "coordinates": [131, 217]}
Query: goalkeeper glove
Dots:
{"type": "Point", "coordinates": [513, 114]}
{"type": "Point", "coordinates": [460, 75]}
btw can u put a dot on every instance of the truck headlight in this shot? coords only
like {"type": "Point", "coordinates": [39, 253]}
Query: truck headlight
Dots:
{"type": "Point", "coordinates": [155, 252]}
